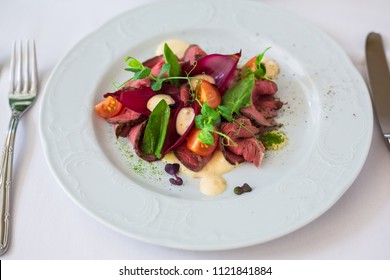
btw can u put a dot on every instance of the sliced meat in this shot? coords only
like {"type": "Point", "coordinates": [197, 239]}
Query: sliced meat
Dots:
{"type": "Point", "coordinates": [264, 105]}
{"type": "Point", "coordinates": [146, 82]}
{"type": "Point", "coordinates": [136, 135]}
{"type": "Point", "coordinates": [264, 87]}
{"type": "Point", "coordinates": [191, 160]}
{"type": "Point", "coordinates": [185, 94]}
{"type": "Point", "coordinates": [251, 149]}
{"type": "Point", "coordinates": [156, 69]}
{"type": "Point", "coordinates": [266, 101]}
{"type": "Point", "coordinates": [246, 147]}
{"type": "Point", "coordinates": [257, 117]}
{"type": "Point", "coordinates": [127, 116]}
{"type": "Point", "coordinates": [231, 157]}
{"type": "Point", "coordinates": [240, 128]}
{"type": "Point", "coordinates": [122, 130]}
{"type": "Point", "coordinates": [193, 53]}
{"type": "Point", "coordinates": [151, 62]}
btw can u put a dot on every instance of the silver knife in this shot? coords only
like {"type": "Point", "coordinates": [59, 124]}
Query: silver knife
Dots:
{"type": "Point", "coordinates": [379, 76]}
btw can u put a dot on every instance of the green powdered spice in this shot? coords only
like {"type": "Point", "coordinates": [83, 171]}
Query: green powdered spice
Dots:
{"type": "Point", "coordinates": [273, 140]}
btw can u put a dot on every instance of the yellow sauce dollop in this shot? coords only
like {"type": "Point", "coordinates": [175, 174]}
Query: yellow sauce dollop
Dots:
{"type": "Point", "coordinates": [211, 182]}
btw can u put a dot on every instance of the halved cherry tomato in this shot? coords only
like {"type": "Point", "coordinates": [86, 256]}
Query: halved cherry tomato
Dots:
{"type": "Point", "coordinates": [198, 147]}
{"type": "Point", "coordinates": [208, 93]}
{"type": "Point", "coordinates": [108, 107]}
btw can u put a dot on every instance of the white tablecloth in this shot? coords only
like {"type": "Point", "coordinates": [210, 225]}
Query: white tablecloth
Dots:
{"type": "Point", "coordinates": [46, 224]}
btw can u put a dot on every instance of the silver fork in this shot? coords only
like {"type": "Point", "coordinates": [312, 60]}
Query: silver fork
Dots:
{"type": "Point", "coordinates": [22, 92]}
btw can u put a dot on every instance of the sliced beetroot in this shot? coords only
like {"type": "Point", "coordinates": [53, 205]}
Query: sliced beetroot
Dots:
{"type": "Point", "coordinates": [220, 67]}
{"type": "Point", "coordinates": [136, 99]}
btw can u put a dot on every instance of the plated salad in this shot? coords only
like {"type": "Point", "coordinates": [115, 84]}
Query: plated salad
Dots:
{"type": "Point", "coordinates": [194, 107]}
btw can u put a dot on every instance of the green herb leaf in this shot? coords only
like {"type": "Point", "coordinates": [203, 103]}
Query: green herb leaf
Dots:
{"type": "Point", "coordinates": [260, 71]}
{"type": "Point", "coordinates": [164, 69]}
{"type": "Point", "coordinates": [206, 137]}
{"type": "Point", "coordinates": [143, 73]}
{"type": "Point", "coordinates": [156, 130]}
{"type": "Point", "coordinates": [225, 112]}
{"type": "Point", "coordinates": [259, 58]}
{"type": "Point", "coordinates": [133, 62]}
{"type": "Point", "coordinates": [199, 121]}
{"type": "Point", "coordinates": [135, 66]}
{"type": "Point", "coordinates": [237, 97]}
{"type": "Point", "coordinates": [171, 59]}
{"type": "Point", "coordinates": [156, 85]}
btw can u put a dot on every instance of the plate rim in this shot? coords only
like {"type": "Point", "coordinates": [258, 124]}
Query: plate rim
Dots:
{"type": "Point", "coordinates": [173, 243]}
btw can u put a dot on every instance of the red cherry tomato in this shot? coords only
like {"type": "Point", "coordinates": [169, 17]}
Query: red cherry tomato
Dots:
{"type": "Point", "coordinates": [108, 107]}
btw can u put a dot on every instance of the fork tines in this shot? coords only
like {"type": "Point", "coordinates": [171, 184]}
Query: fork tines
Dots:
{"type": "Point", "coordinates": [23, 69]}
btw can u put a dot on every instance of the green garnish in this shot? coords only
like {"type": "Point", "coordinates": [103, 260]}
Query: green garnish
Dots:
{"type": "Point", "coordinates": [156, 130]}
{"type": "Point", "coordinates": [260, 71]}
{"type": "Point", "coordinates": [171, 66]}
{"type": "Point", "coordinates": [273, 140]}
{"type": "Point", "coordinates": [205, 121]}
{"type": "Point", "coordinates": [135, 66]}
{"type": "Point", "coordinates": [171, 59]}
{"type": "Point", "coordinates": [237, 97]}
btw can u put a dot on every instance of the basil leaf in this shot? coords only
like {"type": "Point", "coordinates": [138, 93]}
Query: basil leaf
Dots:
{"type": "Point", "coordinates": [225, 112]}
{"type": "Point", "coordinates": [156, 130]}
{"type": "Point", "coordinates": [237, 97]}
{"type": "Point", "coordinates": [171, 59]}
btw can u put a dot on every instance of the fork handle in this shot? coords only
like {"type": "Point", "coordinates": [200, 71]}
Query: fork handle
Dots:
{"type": "Point", "coordinates": [6, 182]}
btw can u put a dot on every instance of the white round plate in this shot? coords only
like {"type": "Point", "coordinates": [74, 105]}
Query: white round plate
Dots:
{"type": "Point", "coordinates": [327, 118]}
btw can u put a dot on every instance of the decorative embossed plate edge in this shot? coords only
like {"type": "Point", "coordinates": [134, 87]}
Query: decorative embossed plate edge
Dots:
{"type": "Point", "coordinates": [318, 168]}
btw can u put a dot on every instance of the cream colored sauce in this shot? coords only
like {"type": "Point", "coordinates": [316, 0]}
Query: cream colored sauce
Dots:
{"type": "Point", "coordinates": [271, 67]}
{"type": "Point", "coordinates": [211, 183]}
{"type": "Point", "coordinates": [177, 46]}
{"type": "Point", "coordinates": [218, 165]}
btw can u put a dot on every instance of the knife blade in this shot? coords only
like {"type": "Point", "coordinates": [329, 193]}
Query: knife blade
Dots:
{"type": "Point", "coordinates": [379, 77]}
